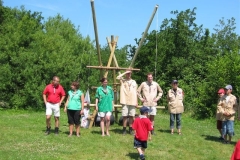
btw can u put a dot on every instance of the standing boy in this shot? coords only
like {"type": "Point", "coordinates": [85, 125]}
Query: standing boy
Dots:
{"type": "Point", "coordinates": [229, 105]}
{"type": "Point", "coordinates": [142, 126]}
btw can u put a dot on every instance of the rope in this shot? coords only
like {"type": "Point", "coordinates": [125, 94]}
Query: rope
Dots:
{"type": "Point", "coordinates": [156, 49]}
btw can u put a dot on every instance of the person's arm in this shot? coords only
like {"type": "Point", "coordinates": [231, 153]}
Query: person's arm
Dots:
{"type": "Point", "coordinates": [82, 103]}
{"type": "Point", "coordinates": [45, 99]}
{"type": "Point", "coordinates": [160, 93]}
{"type": "Point", "coordinates": [139, 90]}
{"type": "Point", "coordinates": [62, 98]}
{"type": "Point", "coordinates": [149, 136]}
{"type": "Point", "coordinates": [96, 102]}
{"type": "Point", "coordinates": [66, 104]}
{"type": "Point", "coordinates": [119, 77]}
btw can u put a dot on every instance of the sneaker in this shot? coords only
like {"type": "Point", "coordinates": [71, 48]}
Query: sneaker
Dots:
{"type": "Point", "coordinates": [124, 132]}
{"type": "Point", "coordinates": [131, 132]}
{"type": "Point", "coordinates": [47, 132]}
{"type": "Point", "coordinates": [56, 131]}
{"type": "Point", "coordinates": [142, 157]}
{"type": "Point", "coordinates": [226, 142]}
{"type": "Point", "coordinates": [152, 132]}
{"type": "Point", "coordinates": [221, 138]}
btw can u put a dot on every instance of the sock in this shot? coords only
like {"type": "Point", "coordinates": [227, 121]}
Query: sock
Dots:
{"type": "Point", "coordinates": [130, 129]}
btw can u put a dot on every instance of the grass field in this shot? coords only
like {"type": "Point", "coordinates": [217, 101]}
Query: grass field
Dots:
{"type": "Point", "coordinates": [22, 137]}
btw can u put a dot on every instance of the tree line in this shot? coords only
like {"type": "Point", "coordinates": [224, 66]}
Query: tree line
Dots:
{"type": "Point", "coordinates": [33, 50]}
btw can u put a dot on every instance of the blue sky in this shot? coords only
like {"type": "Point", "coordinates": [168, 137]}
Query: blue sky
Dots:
{"type": "Point", "coordinates": [129, 18]}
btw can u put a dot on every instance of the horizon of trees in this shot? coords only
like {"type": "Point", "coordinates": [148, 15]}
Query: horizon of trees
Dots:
{"type": "Point", "coordinates": [33, 50]}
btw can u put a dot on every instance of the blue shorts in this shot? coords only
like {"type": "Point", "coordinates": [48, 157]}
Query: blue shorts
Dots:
{"type": "Point", "coordinates": [228, 127]}
{"type": "Point", "coordinates": [139, 144]}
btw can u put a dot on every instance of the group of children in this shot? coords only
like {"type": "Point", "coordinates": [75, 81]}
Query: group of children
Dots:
{"type": "Point", "coordinates": [226, 110]}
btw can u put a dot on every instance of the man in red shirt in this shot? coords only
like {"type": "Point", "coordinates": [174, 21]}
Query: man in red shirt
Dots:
{"type": "Point", "coordinates": [53, 95]}
{"type": "Point", "coordinates": [142, 126]}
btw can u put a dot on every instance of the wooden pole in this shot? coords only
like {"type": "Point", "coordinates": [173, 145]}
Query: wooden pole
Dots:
{"type": "Point", "coordinates": [143, 37]}
{"type": "Point", "coordinates": [96, 37]}
{"type": "Point", "coordinates": [112, 49]}
{"type": "Point", "coordinates": [113, 68]}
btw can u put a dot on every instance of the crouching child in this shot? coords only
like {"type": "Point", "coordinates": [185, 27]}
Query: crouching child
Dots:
{"type": "Point", "coordinates": [142, 127]}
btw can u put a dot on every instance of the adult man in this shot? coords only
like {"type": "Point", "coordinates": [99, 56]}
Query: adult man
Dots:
{"type": "Point", "coordinates": [53, 95]}
{"type": "Point", "coordinates": [228, 105]}
{"type": "Point", "coordinates": [175, 105]}
{"type": "Point", "coordinates": [149, 93]}
{"type": "Point", "coordinates": [128, 99]}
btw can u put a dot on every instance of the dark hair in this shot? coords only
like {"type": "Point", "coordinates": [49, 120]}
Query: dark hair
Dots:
{"type": "Point", "coordinates": [75, 84]}
{"type": "Point", "coordinates": [149, 73]}
{"type": "Point", "coordinates": [103, 79]}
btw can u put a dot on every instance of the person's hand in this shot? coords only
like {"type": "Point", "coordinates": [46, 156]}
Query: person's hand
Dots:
{"type": "Point", "coordinates": [81, 112]}
{"type": "Point", "coordinates": [143, 100]}
{"type": "Point", "coordinates": [155, 100]}
{"type": "Point", "coordinates": [65, 109]}
{"type": "Point", "coordinates": [150, 138]}
{"type": "Point", "coordinates": [96, 108]}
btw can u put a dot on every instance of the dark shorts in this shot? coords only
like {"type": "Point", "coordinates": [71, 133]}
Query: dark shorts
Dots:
{"type": "Point", "coordinates": [73, 117]}
{"type": "Point", "coordinates": [137, 143]}
{"type": "Point", "coordinates": [219, 124]}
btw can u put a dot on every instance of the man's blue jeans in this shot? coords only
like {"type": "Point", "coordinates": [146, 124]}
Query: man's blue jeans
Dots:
{"type": "Point", "coordinates": [178, 120]}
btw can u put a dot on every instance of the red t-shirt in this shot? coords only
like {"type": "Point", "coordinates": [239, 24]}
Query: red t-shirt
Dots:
{"type": "Point", "coordinates": [236, 153]}
{"type": "Point", "coordinates": [142, 125]}
{"type": "Point", "coordinates": [54, 94]}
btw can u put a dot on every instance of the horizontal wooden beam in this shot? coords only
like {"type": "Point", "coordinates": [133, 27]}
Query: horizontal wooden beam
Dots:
{"type": "Point", "coordinates": [113, 68]}
{"type": "Point", "coordinates": [120, 106]}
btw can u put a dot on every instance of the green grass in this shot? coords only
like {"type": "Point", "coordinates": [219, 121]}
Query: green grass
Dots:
{"type": "Point", "coordinates": [22, 137]}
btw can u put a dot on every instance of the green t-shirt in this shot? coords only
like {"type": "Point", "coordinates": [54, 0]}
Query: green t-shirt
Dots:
{"type": "Point", "coordinates": [74, 102]}
{"type": "Point", "coordinates": [105, 99]}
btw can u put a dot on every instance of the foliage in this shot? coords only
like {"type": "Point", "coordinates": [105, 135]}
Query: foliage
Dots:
{"type": "Point", "coordinates": [33, 50]}
{"type": "Point", "coordinates": [187, 52]}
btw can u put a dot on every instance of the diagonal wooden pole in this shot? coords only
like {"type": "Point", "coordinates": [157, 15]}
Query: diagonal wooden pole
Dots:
{"type": "Point", "coordinates": [143, 36]}
{"type": "Point", "coordinates": [111, 54]}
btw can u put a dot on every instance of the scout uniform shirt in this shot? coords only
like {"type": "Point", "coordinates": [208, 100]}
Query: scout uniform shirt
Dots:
{"type": "Point", "coordinates": [175, 101]}
{"type": "Point", "coordinates": [105, 98]}
{"type": "Point", "coordinates": [149, 93]}
{"type": "Point", "coordinates": [128, 92]}
{"type": "Point", "coordinates": [228, 103]}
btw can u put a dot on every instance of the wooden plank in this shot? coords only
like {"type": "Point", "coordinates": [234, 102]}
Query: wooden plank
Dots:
{"type": "Point", "coordinates": [120, 106]}
{"type": "Point", "coordinates": [113, 68]}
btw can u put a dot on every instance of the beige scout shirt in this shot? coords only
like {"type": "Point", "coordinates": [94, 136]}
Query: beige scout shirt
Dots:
{"type": "Point", "coordinates": [175, 101]}
{"type": "Point", "coordinates": [128, 92]}
{"type": "Point", "coordinates": [228, 104]}
{"type": "Point", "coordinates": [218, 113]}
{"type": "Point", "coordinates": [150, 92]}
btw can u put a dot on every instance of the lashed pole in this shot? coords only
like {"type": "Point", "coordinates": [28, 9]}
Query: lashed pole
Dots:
{"type": "Point", "coordinates": [96, 36]}
{"type": "Point", "coordinates": [143, 37]}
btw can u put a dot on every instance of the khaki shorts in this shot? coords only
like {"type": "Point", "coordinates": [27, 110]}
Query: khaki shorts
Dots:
{"type": "Point", "coordinates": [153, 111]}
{"type": "Point", "coordinates": [104, 114]}
{"type": "Point", "coordinates": [128, 110]}
{"type": "Point", "coordinates": [55, 108]}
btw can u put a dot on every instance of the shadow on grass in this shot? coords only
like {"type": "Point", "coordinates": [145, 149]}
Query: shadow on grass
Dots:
{"type": "Point", "coordinates": [117, 130]}
{"type": "Point", "coordinates": [164, 130]}
{"type": "Point", "coordinates": [216, 139]}
{"type": "Point", "coordinates": [96, 132]}
{"type": "Point", "coordinates": [133, 155]}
